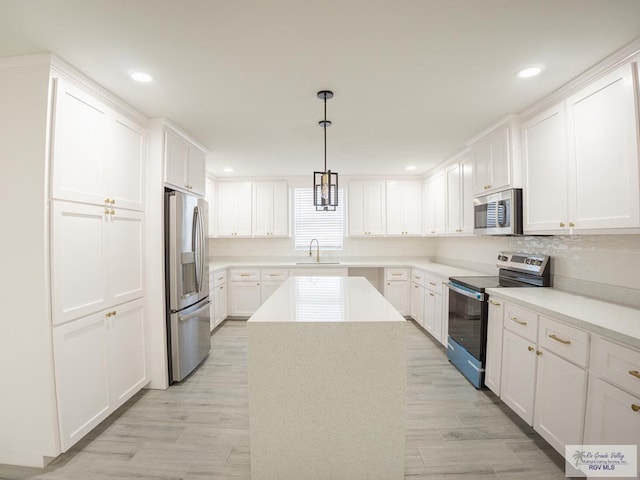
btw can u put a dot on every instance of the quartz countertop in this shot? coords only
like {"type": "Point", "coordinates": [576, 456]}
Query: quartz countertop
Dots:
{"type": "Point", "coordinates": [353, 262]}
{"type": "Point", "coordinates": [614, 321]}
{"type": "Point", "coordinates": [326, 299]}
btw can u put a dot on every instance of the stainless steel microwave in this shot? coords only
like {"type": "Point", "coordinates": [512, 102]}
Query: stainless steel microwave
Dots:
{"type": "Point", "coordinates": [498, 213]}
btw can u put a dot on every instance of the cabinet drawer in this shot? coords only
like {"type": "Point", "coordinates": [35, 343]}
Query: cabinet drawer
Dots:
{"type": "Point", "coordinates": [433, 283]}
{"type": "Point", "coordinates": [396, 273]}
{"type": "Point", "coordinates": [275, 274]}
{"type": "Point", "coordinates": [617, 364]}
{"type": "Point", "coordinates": [244, 275]}
{"type": "Point", "coordinates": [521, 321]}
{"type": "Point", "coordinates": [417, 276]}
{"type": "Point", "coordinates": [565, 341]}
{"type": "Point", "coordinates": [218, 277]}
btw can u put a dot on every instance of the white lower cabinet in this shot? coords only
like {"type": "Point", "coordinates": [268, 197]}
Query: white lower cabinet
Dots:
{"type": "Point", "coordinates": [561, 393]}
{"type": "Point", "coordinates": [271, 281]}
{"type": "Point", "coordinates": [518, 374]}
{"type": "Point", "coordinates": [433, 314]}
{"type": "Point", "coordinates": [99, 364]}
{"type": "Point", "coordinates": [493, 361]}
{"type": "Point", "coordinates": [220, 303]}
{"type": "Point", "coordinates": [396, 289]}
{"type": "Point", "coordinates": [244, 298]}
{"type": "Point", "coordinates": [417, 302]}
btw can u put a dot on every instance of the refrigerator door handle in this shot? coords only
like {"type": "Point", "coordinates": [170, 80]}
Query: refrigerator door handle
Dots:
{"type": "Point", "coordinates": [193, 314]}
{"type": "Point", "coordinates": [202, 248]}
{"type": "Point", "coordinates": [195, 242]}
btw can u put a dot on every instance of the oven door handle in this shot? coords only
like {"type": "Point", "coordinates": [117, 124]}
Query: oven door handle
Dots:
{"type": "Point", "coordinates": [467, 293]}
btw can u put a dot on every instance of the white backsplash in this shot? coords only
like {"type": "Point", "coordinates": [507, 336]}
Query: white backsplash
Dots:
{"type": "Point", "coordinates": [353, 247]}
{"type": "Point", "coordinates": [601, 266]}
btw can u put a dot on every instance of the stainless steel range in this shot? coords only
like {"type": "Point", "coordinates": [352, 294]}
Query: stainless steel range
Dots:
{"type": "Point", "coordinates": [468, 308]}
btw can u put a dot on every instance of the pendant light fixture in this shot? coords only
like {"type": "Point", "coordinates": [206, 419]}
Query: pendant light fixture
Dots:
{"type": "Point", "coordinates": [325, 184]}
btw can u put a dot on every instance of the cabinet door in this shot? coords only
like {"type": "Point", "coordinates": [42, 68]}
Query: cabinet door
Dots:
{"type": "Point", "coordinates": [125, 257]}
{"type": "Point", "coordinates": [404, 208]}
{"type": "Point", "coordinates": [493, 362]}
{"type": "Point", "coordinates": [611, 418]}
{"type": "Point", "coordinates": [79, 145]}
{"type": "Point", "coordinates": [545, 163]}
{"type": "Point", "coordinates": [395, 217]}
{"type": "Point", "coordinates": [244, 298]}
{"type": "Point", "coordinates": [417, 303]}
{"type": "Point", "coordinates": [126, 351]}
{"type": "Point", "coordinates": [397, 293]}
{"type": "Point", "coordinates": [82, 376]}
{"type": "Point", "coordinates": [196, 171]}
{"type": "Point", "coordinates": [79, 268]}
{"type": "Point", "coordinates": [243, 209]}
{"type": "Point", "coordinates": [280, 210]}
{"type": "Point", "coordinates": [603, 133]}
{"type": "Point", "coordinates": [267, 289]}
{"type": "Point", "coordinates": [374, 208]}
{"type": "Point", "coordinates": [429, 206]}
{"type": "Point", "coordinates": [518, 375]}
{"type": "Point", "coordinates": [440, 196]}
{"type": "Point", "coordinates": [466, 182]}
{"type": "Point", "coordinates": [176, 160]}
{"type": "Point", "coordinates": [433, 314]}
{"type": "Point", "coordinates": [263, 209]}
{"type": "Point", "coordinates": [481, 154]}
{"type": "Point", "coordinates": [220, 303]}
{"type": "Point", "coordinates": [357, 223]}
{"type": "Point", "coordinates": [454, 198]}
{"type": "Point", "coordinates": [226, 209]}
{"type": "Point", "coordinates": [561, 397]}
{"type": "Point", "coordinates": [212, 199]}
{"type": "Point", "coordinates": [500, 146]}
{"type": "Point", "coordinates": [125, 167]}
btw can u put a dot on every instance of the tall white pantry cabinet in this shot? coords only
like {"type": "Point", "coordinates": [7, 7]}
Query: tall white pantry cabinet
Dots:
{"type": "Point", "coordinates": [72, 334]}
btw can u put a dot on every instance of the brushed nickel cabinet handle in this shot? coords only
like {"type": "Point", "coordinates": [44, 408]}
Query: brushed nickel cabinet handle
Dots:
{"type": "Point", "coordinates": [519, 322]}
{"type": "Point", "coordinates": [558, 339]}
{"type": "Point", "coordinates": [634, 373]}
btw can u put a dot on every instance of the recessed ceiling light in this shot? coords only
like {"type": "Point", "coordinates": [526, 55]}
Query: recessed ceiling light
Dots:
{"type": "Point", "coordinates": [410, 167]}
{"type": "Point", "coordinates": [529, 72]}
{"type": "Point", "coordinates": [141, 77]}
{"type": "Point", "coordinates": [227, 169]}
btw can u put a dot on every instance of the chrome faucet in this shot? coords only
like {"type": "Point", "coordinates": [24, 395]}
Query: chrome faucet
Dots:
{"type": "Point", "coordinates": [317, 249]}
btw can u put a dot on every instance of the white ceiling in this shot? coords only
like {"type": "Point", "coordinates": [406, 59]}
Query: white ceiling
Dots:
{"type": "Point", "coordinates": [413, 79]}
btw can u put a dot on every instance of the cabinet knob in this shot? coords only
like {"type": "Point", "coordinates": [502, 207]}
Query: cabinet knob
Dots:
{"type": "Point", "coordinates": [530, 348]}
{"type": "Point", "coordinates": [112, 212]}
{"type": "Point", "coordinates": [106, 211]}
{"type": "Point", "coordinates": [561, 224]}
{"type": "Point", "coordinates": [538, 352]}
{"type": "Point", "coordinates": [487, 187]}
{"type": "Point", "coordinates": [107, 201]}
{"type": "Point", "coordinates": [571, 224]}
{"type": "Point", "coordinates": [634, 373]}
{"type": "Point", "coordinates": [635, 407]}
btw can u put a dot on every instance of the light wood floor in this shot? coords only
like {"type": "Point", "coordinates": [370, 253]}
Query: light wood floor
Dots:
{"type": "Point", "coordinates": [199, 429]}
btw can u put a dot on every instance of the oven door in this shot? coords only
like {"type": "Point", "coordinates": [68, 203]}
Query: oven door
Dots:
{"type": "Point", "coordinates": [468, 312]}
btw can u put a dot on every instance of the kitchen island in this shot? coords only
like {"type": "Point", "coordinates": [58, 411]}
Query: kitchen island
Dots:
{"type": "Point", "coordinates": [327, 380]}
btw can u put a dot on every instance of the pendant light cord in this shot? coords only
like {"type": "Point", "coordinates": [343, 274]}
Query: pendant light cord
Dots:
{"type": "Point", "coordinates": [324, 126]}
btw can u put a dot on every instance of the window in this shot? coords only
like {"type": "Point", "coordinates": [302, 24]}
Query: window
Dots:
{"type": "Point", "coordinates": [327, 227]}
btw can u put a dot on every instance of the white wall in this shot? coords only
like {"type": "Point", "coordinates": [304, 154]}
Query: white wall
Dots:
{"type": "Point", "coordinates": [601, 266]}
{"type": "Point", "coordinates": [28, 421]}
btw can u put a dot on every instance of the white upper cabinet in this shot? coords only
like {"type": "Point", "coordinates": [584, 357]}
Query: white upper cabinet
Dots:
{"type": "Point", "coordinates": [581, 160]}
{"type": "Point", "coordinates": [98, 154]}
{"type": "Point", "coordinates": [97, 258]}
{"type": "Point", "coordinates": [603, 153]}
{"type": "Point", "coordinates": [545, 166]}
{"type": "Point", "coordinates": [459, 197]}
{"type": "Point", "coordinates": [492, 162]}
{"type": "Point", "coordinates": [233, 209]}
{"type": "Point", "coordinates": [270, 209]}
{"type": "Point", "coordinates": [404, 208]}
{"type": "Point", "coordinates": [435, 204]}
{"type": "Point", "coordinates": [211, 198]}
{"type": "Point", "coordinates": [367, 208]}
{"type": "Point", "coordinates": [185, 164]}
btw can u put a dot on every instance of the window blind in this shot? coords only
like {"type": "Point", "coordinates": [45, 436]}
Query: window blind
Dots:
{"type": "Point", "coordinates": [327, 227]}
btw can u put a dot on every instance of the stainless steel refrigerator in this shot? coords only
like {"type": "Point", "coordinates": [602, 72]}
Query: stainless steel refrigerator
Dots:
{"type": "Point", "coordinates": [186, 283]}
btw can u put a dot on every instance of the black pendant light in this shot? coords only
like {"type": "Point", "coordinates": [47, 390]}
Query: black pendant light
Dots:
{"type": "Point", "coordinates": [325, 184]}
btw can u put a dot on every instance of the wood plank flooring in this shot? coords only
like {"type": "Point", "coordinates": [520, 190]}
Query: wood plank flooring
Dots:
{"type": "Point", "coordinates": [199, 429]}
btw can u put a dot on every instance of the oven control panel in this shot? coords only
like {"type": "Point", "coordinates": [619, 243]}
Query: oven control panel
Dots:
{"type": "Point", "coordinates": [526, 262]}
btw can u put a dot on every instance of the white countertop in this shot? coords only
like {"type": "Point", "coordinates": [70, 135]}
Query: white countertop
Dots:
{"type": "Point", "coordinates": [608, 319]}
{"type": "Point", "coordinates": [326, 299]}
{"type": "Point", "coordinates": [354, 262]}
